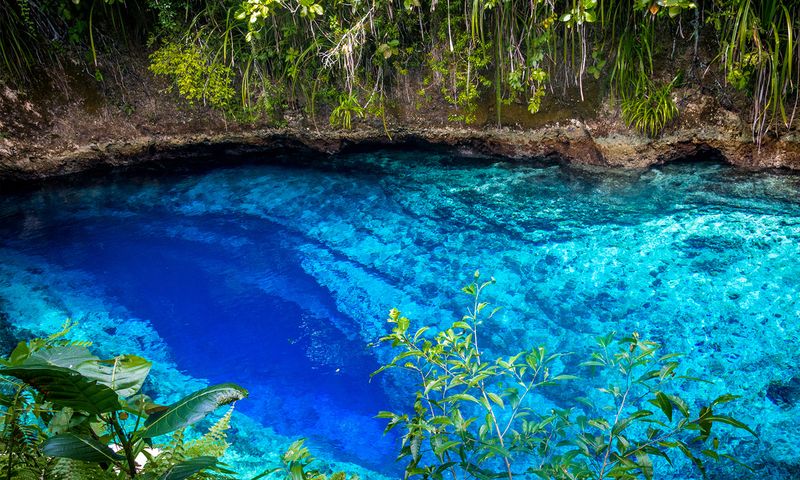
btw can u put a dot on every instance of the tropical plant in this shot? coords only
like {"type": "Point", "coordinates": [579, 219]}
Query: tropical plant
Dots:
{"type": "Point", "coordinates": [297, 54]}
{"type": "Point", "coordinates": [67, 411]}
{"type": "Point", "coordinates": [197, 76]}
{"type": "Point", "coordinates": [759, 51]}
{"type": "Point", "coordinates": [342, 115]}
{"type": "Point", "coordinates": [479, 414]}
{"type": "Point", "coordinates": [296, 464]}
{"type": "Point", "coordinates": [650, 110]}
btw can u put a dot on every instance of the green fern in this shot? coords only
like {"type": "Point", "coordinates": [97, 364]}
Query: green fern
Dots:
{"type": "Point", "coordinates": [168, 455]}
{"type": "Point", "coordinates": [68, 469]}
{"type": "Point", "coordinates": [214, 443]}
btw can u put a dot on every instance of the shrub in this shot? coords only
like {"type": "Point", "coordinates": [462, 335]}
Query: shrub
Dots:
{"type": "Point", "coordinates": [296, 465]}
{"type": "Point", "coordinates": [196, 76]}
{"type": "Point", "coordinates": [479, 415]}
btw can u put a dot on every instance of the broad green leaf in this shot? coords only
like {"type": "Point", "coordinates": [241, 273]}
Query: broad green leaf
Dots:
{"type": "Point", "coordinates": [600, 423]}
{"type": "Point", "coordinates": [443, 447]}
{"type": "Point", "coordinates": [69, 356]}
{"type": "Point", "coordinates": [496, 450]}
{"type": "Point", "coordinates": [710, 454]}
{"type": "Point", "coordinates": [724, 399]}
{"type": "Point", "coordinates": [19, 354]}
{"type": "Point", "coordinates": [679, 404]}
{"type": "Point", "coordinates": [191, 409]}
{"type": "Point", "coordinates": [124, 374]}
{"type": "Point", "coordinates": [645, 465]}
{"type": "Point", "coordinates": [67, 388]}
{"type": "Point", "coordinates": [79, 447]}
{"type": "Point", "coordinates": [415, 443]}
{"type": "Point", "coordinates": [625, 422]}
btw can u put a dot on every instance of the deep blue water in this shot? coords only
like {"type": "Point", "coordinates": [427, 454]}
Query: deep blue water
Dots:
{"type": "Point", "coordinates": [277, 275]}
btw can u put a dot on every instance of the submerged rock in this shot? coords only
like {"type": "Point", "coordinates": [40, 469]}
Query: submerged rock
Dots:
{"type": "Point", "coordinates": [784, 394]}
{"type": "Point", "coordinates": [8, 337]}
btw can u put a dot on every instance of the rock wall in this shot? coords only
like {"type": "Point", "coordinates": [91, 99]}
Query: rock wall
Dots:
{"type": "Point", "coordinates": [83, 125]}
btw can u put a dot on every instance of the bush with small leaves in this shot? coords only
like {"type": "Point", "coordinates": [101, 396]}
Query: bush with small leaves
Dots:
{"type": "Point", "coordinates": [296, 465]}
{"type": "Point", "coordinates": [197, 75]}
{"type": "Point", "coordinates": [479, 415]}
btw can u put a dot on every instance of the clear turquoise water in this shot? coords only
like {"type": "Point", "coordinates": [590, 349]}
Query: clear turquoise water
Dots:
{"type": "Point", "coordinates": [276, 275]}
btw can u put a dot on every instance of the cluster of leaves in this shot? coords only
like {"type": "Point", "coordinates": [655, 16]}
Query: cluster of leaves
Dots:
{"type": "Point", "coordinates": [349, 107]}
{"type": "Point", "coordinates": [477, 415]}
{"type": "Point", "coordinates": [295, 53]}
{"type": "Point", "coordinates": [197, 76]}
{"type": "Point", "coordinates": [69, 414]}
{"type": "Point", "coordinates": [66, 413]}
{"type": "Point", "coordinates": [760, 53]}
{"type": "Point", "coordinates": [465, 65]}
{"type": "Point", "coordinates": [650, 110]}
{"type": "Point", "coordinates": [296, 464]}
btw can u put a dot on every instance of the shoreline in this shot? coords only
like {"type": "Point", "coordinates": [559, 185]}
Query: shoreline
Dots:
{"type": "Point", "coordinates": [573, 143]}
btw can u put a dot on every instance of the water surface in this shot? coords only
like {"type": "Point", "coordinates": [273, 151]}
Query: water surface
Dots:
{"type": "Point", "coordinates": [276, 275]}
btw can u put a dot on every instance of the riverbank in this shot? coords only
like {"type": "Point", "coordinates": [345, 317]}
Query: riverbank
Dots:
{"type": "Point", "coordinates": [573, 143]}
{"type": "Point", "coordinates": [85, 125]}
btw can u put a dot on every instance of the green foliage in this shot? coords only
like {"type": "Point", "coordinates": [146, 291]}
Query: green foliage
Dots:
{"type": "Point", "coordinates": [214, 443]}
{"type": "Point", "coordinates": [479, 414]}
{"type": "Point", "coordinates": [305, 53]}
{"type": "Point", "coordinates": [296, 464]}
{"type": "Point", "coordinates": [465, 65]}
{"type": "Point", "coordinates": [69, 414]}
{"type": "Point", "coordinates": [759, 53]}
{"type": "Point", "coordinates": [476, 413]}
{"type": "Point", "coordinates": [650, 110]}
{"type": "Point", "coordinates": [583, 11]}
{"type": "Point", "coordinates": [197, 75]}
{"type": "Point", "coordinates": [168, 14]}
{"type": "Point", "coordinates": [198, 459]}
{"type": "Point", "coordinates": [190, 409]}
{"type": "Point", "coordinates": [342, 115]}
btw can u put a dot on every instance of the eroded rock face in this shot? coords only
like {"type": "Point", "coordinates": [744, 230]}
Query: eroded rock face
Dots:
{"type": "Point", "coordinates": [572, 143]}
{"type": "Point", "coordinates": [44, 138]}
